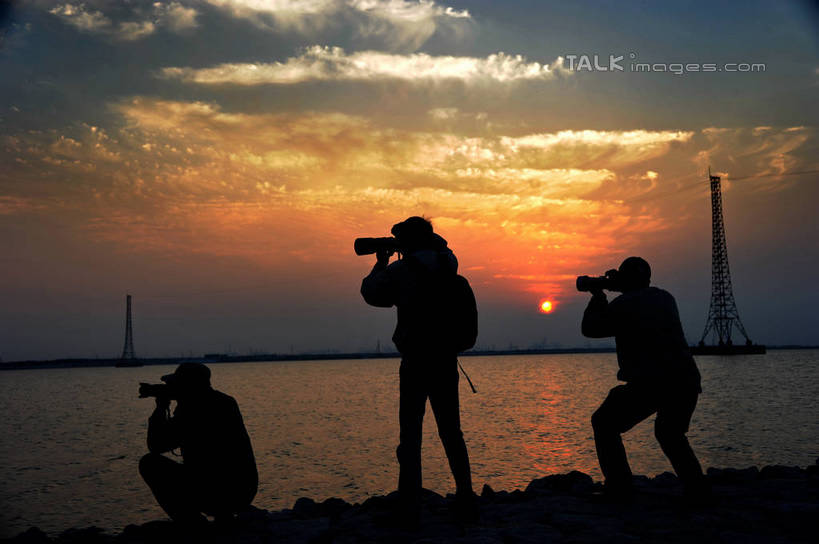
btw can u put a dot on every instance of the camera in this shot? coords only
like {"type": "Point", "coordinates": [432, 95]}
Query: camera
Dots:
{"type": "Point", "coordinates": [368, 246]}
{"type": "Point", "coordinates": [609, 282]}
{"type": "Point", "coordinates": [158, 390]}
{"type": "Point", "coordinates": [165, 390]}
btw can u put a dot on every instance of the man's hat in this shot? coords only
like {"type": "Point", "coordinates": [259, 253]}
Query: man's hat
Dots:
{"type": "Point", "coordinates": [189, 375]}
{"type": "Point", "coordinates": [414, 231]}
{"type": "Point", "coordinates": [635, 272]}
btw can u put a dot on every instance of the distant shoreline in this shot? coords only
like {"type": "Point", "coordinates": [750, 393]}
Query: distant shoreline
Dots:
{"type": "Point", "coordinates": [214, 358]}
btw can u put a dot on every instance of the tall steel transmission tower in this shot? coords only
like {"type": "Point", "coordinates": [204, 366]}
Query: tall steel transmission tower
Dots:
{"type": "Point", "coordinates": [722, 314]}
{"type": "Point", "coordinates": [128, 349]}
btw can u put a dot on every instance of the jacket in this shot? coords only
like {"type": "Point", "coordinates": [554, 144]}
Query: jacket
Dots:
{"type": "Point", "coordinates": [212, 436]}
{"type": "Point", "coordinates": [651, 345]}
{"type": "Point", "coordinates": [405, 284]}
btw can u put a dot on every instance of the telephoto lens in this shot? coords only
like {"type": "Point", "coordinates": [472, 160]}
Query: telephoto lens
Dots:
{"type": "Point", "coordinates": [154, 390]}
{"type": "Point", "coordinates": [368, 246]}
{"type": "Point", "coordinates": [593, 283]}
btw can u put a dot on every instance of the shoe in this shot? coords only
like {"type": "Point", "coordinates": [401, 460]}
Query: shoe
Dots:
{"type": "Point", "coordinates": [401, 512]}
{"type": "Point", "coordinates": [614, 494]}
{"type": "Point", "coordinates": [465, 507]}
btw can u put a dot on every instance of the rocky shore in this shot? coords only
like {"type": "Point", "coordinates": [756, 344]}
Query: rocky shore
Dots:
{"type": "Point", "coordinates": [774, 504]}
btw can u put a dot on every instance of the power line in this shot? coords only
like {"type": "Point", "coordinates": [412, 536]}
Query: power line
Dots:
{"type": "Point", "coordinates": [703, 185]}
{"type": "Point", "coordinates": [801, 173]}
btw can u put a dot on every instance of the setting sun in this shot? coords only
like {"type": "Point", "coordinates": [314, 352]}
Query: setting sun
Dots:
{"type": "Point", "coordinates": [545, 306]}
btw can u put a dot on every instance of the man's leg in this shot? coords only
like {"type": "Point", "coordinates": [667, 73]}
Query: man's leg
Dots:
{"type": "Point", "coordinates": [625, 407]}
{"type": "Point", "coordinates": [673, 418]}
{"type": "Point", "coordinates": [223, 495]}
{"type": "Point", "coordinates": [410, 418]}
{"type": "Point", "coordinates": [171, 487]}
{"type": "Point", "coordinates": [443, 399]}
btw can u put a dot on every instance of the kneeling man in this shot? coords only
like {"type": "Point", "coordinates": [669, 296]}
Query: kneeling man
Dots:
{"type": "Point", "coordinates": [217, 475]}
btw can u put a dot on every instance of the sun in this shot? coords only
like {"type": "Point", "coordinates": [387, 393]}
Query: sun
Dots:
{"type": "Point", "coordinates": [546, 306]}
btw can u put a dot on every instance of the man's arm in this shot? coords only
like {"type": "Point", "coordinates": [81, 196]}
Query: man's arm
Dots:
{"type": "Point", "coordinates": [597, 320]}
{"type": "Point", "coordinates": [378, 288]}
{"type": "Point", "coordinates": [162, 435]}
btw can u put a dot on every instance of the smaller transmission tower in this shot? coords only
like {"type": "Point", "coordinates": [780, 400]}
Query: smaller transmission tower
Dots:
{"type": "Point", "coordinates": [128, 350]}
{"type": "Point", "coordinates": [722, 314]}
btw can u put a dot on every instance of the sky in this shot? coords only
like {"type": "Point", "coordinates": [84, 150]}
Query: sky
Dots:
{"type": "Point", "coordinates": [216, 159]}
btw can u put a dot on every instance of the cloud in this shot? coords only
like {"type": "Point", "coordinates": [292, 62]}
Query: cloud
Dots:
{"type": "Point", "coordinates": [621, 138]}
{"type": "Point", "coordinates": [143, 19]}
{"type": "Point", "coordinates": [551, 183]}
{"type": "Point", "coordinates": [178, 17]}
{"type": "Point", "coordinates": [404, 10]}
{"type": "Point", "coordinates": [289, 11]}
{"type": "Point", "coordinates": [10, 205]}
{"type": "Point", "coordinates": [443, 114]}
{"type": "Point", "coordinates": [319, 63]}
{"type": "Point", "coordinates": [313, 181]}
{"type": "Point", "coordinates": [78, 17]}
{"type": "Point", "coordinates": [191, 176]}
{"type": "Point", "coordinates": [404, 23]}
{"type": "Point", "coordinates": [767, 154]}
{"type": "Point", "coordinates": [394, 9]}
{"type": "Point", "coordinates": [130, 31]}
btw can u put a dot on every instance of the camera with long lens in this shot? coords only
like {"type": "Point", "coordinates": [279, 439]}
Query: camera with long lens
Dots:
{"type": "Point", "coordinates": [368, 246]}
{"type": "Point", "coordinates": [609, 282]}
{"type": "Point", "coordinates": [165, 390]}
{"type": "Point", "coordinates": [158, 390]}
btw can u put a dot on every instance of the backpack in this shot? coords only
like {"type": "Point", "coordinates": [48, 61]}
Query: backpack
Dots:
{"type": "Point", "coordinates": [443, 315]}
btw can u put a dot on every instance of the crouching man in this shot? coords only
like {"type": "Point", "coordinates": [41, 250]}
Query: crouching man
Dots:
{"type": "Point", "coordinates": [217, 475]}
{"type": "Point", "coordinates": [660, 374]}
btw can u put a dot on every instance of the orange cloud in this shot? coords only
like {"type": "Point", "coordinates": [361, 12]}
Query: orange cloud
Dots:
{"type": "Point", "coordinates": [524, 213]}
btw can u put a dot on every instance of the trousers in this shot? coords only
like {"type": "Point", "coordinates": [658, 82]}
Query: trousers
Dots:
{"type": "Point", "coordinates": [436, 380]}
{"type": "Point", "coordinates": [185, 496]}
{"type": "Point", "coordinates": [629, 404]}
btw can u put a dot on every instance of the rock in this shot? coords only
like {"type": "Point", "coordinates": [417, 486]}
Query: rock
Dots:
{"type": "Point", "coordinates": [530, 533]}
{"type": "Point", "coordinates": [777, 504]}
{"type": "Point", "coordinates": [86, 535]}
{"type": "Point", "coordinates": [574, 482]}
{"type": "Point", "coordinates": [781, 471]}
{"type": "Point", "coordinates": [516, 496]}
{"type": "Point", "coordinates": [640, 480]}
{"type": "Point", "coordinates": [306, 507]}
{"type": "Point", "coordinates": [732, 475]}
{"type": "Point", "coordinates": [333, 507]}
{"type": "Point", "coordinates": [33, 535]}
{"type": "Point", "coordinates": [666, 479]}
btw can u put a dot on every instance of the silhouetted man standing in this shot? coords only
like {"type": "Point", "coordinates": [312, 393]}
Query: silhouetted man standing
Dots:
{"type": "Point", "coordinates": [419, 285]}
{"type": "Point", "coordinates": [660, 374]}
{"type": "Point", "coordinates": [218, 473]}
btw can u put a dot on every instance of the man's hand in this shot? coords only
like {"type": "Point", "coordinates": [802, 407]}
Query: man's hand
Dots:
{"type": "Point", "coordinates": [383, 256]}
{"type": "Point", "coordinates": [162, 405]}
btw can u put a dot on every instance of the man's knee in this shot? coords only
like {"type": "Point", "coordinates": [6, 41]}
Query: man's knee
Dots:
{"type": "Point", "coordinates": [451, 435]}
{"type": "Point", "coordinates": [408, 453]}
{"type": "Point", "coordinates": [669, 436]}
{"type": "Point", "coordinates": [600, 421]}
{"type": "Point", "coordinates": [148, 465]}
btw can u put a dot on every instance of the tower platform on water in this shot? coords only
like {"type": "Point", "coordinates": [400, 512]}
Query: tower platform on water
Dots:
{"type": "Point", "coordinates": [722, 313]}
